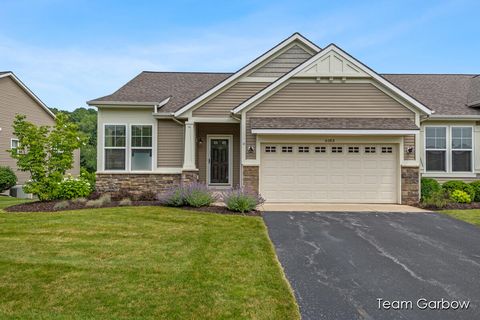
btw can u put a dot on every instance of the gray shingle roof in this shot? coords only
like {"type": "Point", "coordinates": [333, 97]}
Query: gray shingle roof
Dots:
{"type": "Point", "coordinates": [182, 87]}
{"type": "Point", "coordinates": [333, 123]}
{"type": "Point", "coordinates": [446, 94]}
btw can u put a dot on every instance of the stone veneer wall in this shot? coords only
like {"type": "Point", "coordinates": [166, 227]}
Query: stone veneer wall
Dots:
{"type": "Point", "coordinates": [410, 185]}
{"type": "Point", "coordinates": [250, 177]}
{"type": "Point", "coordinates": [136, 183]}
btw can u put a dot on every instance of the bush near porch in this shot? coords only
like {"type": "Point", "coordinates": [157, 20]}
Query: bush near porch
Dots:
{"type": "Point", "coordinates": [453, 194]}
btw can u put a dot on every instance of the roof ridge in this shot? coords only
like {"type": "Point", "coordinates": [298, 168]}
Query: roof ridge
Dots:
{"type": "Point", "coordinates": [432, 74]}
{"type": "Point", "coordinates": [189, 72]}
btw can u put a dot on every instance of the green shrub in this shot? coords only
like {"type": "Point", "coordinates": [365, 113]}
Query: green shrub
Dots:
{"type": "Point", "coordinates": [46, 153]}
{"type": "Point", "coordinates": [240, 200]}
{"type": "Point", "coordinates": [429, 186]}
{"type": "Point", "coordinates": [71, 188]}
{"type": "Point", "coordinates": [79, 200]}
{"type": "Point", "coordinates": [89, 176]}
{"type": "Point", "coordinates": [453, 185]}
{"type": "Point", "coordinates": [173, 198]}
{"type": "Point", "coordinates": [460, 196]}
{"type": "Point", "coordinates": [437, 199]}
{"type": "Point", "coordinates": [476, 186]}
{"type": "Point", "coordinates": [198, 195]}
{"type": "Point", "coordinates": [125, 202]}
{"type": "Point", "coordinates": [100, 202]}
{"type": "Point", "coordinates": [8, 178]}
{"type": "Point", "coordinates": [61, 205]}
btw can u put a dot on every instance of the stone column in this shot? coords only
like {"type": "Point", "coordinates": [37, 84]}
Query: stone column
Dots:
{"type": "Point", "coordinates": [250, 178]}
{"type": "Point", "coordinates": [410, 185]}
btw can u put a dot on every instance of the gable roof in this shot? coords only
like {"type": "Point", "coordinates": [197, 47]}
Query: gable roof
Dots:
{"type": "Point", "coordinates": [319, 55]}
{"type": "Point", "coordinates": [10, 74]}
{"type": "Point", "coordinates": [151, 88]}
{"type": "Point", "coordinates": [447, 94]}
{"type": "Point", "coordinates": [294, 37]}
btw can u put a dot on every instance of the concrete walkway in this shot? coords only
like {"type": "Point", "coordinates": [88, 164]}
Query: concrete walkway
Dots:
{"type": "Point", "coordinates": [333, 207]}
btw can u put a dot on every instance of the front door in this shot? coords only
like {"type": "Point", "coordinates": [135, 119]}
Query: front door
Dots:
{"type": "Point", "coordinates": [219, 156]}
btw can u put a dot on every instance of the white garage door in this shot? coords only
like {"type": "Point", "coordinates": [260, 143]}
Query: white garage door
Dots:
{"type": "Point", "coordinates": [354, 173]}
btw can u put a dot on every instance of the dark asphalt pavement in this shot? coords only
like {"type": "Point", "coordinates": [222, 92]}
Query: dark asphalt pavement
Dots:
{"type": "Point", "coordinates": [340, 263]}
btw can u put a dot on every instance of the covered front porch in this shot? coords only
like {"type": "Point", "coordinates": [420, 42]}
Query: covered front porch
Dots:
{"type": "Point", "coordinates": [216, 153]}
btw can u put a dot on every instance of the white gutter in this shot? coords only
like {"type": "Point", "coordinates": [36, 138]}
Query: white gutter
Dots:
{"type": "Point", "coordinates": [334, 132]}
{"type": "Point", "coordinates": [122, 103]}
{"type": "Point", "coordinates": [453, 117]}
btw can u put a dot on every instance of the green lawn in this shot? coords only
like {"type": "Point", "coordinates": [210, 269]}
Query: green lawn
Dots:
{"type": "Point", "coordinates": [9, 201]}
{"type": "Point", "coordinates": [470, 216]}
{"type": "Point", "coordinates": [139, 263]}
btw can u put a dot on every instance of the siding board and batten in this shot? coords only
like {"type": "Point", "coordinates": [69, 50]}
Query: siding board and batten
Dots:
{"type": "Point", "coordinates": [170, 139]}
{"type": "Point", "coordinates": [345, 100]}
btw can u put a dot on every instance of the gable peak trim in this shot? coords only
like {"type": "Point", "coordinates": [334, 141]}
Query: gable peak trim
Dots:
{"type": "Point", "coordinates": [244, 70]}
{"type": "Point", "coordinates": [333, 47]}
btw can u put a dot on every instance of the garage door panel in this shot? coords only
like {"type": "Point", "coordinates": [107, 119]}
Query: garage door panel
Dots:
{"type": "Point", "coordinates": [355, 176]}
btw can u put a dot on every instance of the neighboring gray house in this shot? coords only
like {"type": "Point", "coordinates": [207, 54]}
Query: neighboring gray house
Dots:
{"type": "Point", "coordinates": [16, 98]}
{"type": "Point", "coordinates": [298, 124]}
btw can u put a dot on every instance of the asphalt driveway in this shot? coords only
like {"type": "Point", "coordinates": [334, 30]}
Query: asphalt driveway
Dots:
{"type": "Point", "coordinates": [341, 263]}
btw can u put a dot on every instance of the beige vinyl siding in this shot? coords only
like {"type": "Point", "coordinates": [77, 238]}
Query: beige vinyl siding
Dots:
{"type": "Point", "coordinates": [409, 141]}
{"type": "Point", "coordinates": [170, 144]}
{"type": "Point", "coordinates": [221, 105]}
{"type": "Point", "coordinates": [14, 100]}
{"type": "Point", "coordinates": [204, 129]}
{"type": "Point", "coordinates": [327, 100]}
{"type": "Point", "coordinates": [282, 64]}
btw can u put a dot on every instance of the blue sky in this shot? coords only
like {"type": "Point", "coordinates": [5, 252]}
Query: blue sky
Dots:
{"type": "Point", "coordinates": [68, 52]}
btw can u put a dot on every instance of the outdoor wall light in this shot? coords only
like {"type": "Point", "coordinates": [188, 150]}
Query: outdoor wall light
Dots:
{"type": "Point", "coordinates": [250, 149]}
{"type": "Point", "coordinates": [410, 150]}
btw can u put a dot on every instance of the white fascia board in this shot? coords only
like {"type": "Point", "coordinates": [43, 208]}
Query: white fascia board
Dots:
{"type": "Point", "coordinates": [319, 55]}
{"type": "Point", "coordinates": [29, 92]}
{"type": "Point", "coordinates": [122, 103]}
{"type": "Point", "coordinates": [335, 132]}
{"type": "Point", "coordinates": [248, 67]}
{"type": "Point", "coordinates": [452, 117]}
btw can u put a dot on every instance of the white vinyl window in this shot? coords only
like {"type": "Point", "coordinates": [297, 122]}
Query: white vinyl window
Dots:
{"type": "Point", "coordinates": [141, 147]}
{"type": "Point", "coordinates": [14, 143]}
{"type": "Point", "coordinates": [115, 143]}
{"type": "Point", "coordinates": [436, 148]}
{"type": "Point", "coordinates": [462, 146]}
{"type": "Point", "coordinates": [271, 149]}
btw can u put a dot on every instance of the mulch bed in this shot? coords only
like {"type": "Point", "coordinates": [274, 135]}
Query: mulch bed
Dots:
{"type": "Point", "coordinates": [48, 206]}
{"type": "Point", "coordinates": [454, 206]}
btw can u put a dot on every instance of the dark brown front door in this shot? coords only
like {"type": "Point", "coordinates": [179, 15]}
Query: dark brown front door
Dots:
{"type": "Point", "coordinates": [219, 164]}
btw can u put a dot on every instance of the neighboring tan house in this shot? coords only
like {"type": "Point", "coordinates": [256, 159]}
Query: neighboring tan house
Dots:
{"type": "Point", "coordinates": [298, 124]}
{"type": "Point", "coordinates": [16, 98]}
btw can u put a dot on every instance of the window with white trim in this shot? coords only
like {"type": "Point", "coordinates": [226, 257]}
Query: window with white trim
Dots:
{"type": "Point", "coordinates": [337, 149]}
{"type": "Point", "coordinates": [461, 153]}
{"type": "Point", "coordinates": [14, 143]}
{"type": "Point", "coordinates": [353, 149]}
{"type": "Point", "coordinates": [304, 149]}
{"type": "Point", "coordinates": [436, 148]}
{"type": "Point", "coordinates": [370, 150]}
{"type": "Point", "coordinates": [141, 147]}
{"type": "Point", "coordinates": [115, 147]}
